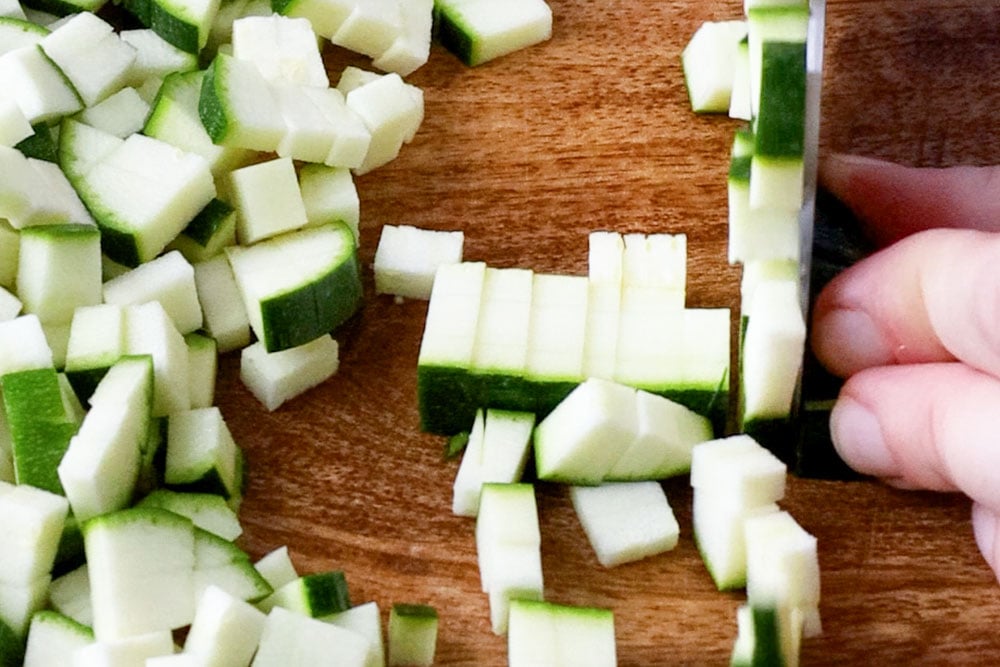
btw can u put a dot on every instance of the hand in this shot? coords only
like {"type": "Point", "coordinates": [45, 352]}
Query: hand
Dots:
{"type": "Point", "coordinates": [915, 329]}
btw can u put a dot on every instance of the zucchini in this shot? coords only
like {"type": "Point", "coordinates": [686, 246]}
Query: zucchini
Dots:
{"type": "Point", "coordinates": [299, 285]}
{"type": "Point", "coordinates": [412, 634]}
{"type": "Point", "coordinates": [478, 31]}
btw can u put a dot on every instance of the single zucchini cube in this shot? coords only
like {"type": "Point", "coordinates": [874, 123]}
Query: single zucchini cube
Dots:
{"type": "Point", "coordinates": [709, 64]}
{"type": "Point", "coordinates": [168, 279]}
{"type": "Point", "coordinates": [53, 638]}
{"type": "Point", "coordinates": [220, 563]}
{"type": "Point", "coordinates": [276, 377]}
{"type": "Point", "coordinates": [311, 641]}
{"type": "Point", "coordinates": [366, 620]}
{"type": "Point", "coordinates": [407, 259]}
{"type": "Point", "coordinates": [96, 342]}
{"type": "Point", "coordinates": [478, 31]}
{"type": "Point", "coordinates": [141, 569]}
{"type": "Point", "coordinates": [34, 521]}
{"type": "Point", "coordinates": [605, 259]}
{"type": "Point", "coordinates": [556, 338]}
{"type": "Point", "coordinates": [237, 107]}
{"type": "Point", "coordinates": [40, 88]}
{"type": "Point", "coordinates": [284, 48]}
{"type": "Point", "coordinates": [329, 193]}
{"type": "Point", "coordinates": [201, 453]}
{"type": "Point", "coordinates": [412, 631]}
{"type": "Point", "coordinates": [627, 521]}
{"type": "Point", "coordinates": [100, 469]}
{"type": "Point", "coordinates": [225, 629]}
{"type": "Point", "coordinates": [300, 285]}
{"type": "Point", "coordinates": [23, 345]}
{"type": "Point", "coordinates": [208, 233]}
{"type": "Point", "coordinates": [583, 437]}
{"type": "Point", "coordinates": [559, 634]}
{"type": "Point", "coordinates": [411, 48]}
{"type": "Point", "coordinates": [267, 200]}
{"type": "Point", "coordinates": [225, 317]}
{"type": "Point", "coordinates": [314, 595]}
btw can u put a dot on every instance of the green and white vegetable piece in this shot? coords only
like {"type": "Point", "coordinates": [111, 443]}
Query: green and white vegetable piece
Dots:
{"type": "Point", "coordinates": [407, 258]}
{"type": "Point", "coordinates": [508, 544]}
{"type": "Point", "coordinates": [733, 479]}
{"type": "Point", "coordinates": [497, 451]}
{"type": "Point", "coordinates": [546, 633]}
{"type": "Point", "coordinates": [412, 635]}
{"type": "Point", "coordinates": [478, 31]}
{"type": "Point", "coordinates": [710, 65]}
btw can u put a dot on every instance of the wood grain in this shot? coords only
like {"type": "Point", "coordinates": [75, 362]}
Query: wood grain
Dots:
{"type": "Point", "coordinates": [527, 155]}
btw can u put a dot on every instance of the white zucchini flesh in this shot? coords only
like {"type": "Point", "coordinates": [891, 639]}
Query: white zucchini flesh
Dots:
{"type": "Point", "coordinates": [709, 62]}
{"type": "Point", "coordinates": [583, 437]}
{"type": "Point", "coordinates": [783, 567]}
{"type": "Point", "coordinates": [39, 86]}
{"type": "Point", "coordinates": [10, 243]}
{"type": "Point", "coordinates": [717, 524]}
{"type": "Point", "coordinates": [371, 27]}
{"type": "Point", "coordinates": [407, 258]}
{"type": "Point", "coordinates": [605, 258]}
{"type": "Point", "coordinates": [69, 594]}
{"type": "Point", "coordinates": [767, 636]}
{"type": "Point", "coordinates": [220, 563]}
{"type": "Point", "coordinates": [53, 638]}
{"type": "Point", "coordinates": [277, 568]}
{"type": "Point", "coordinates": [201, 453]}
{"type": "Point", "coordinates": [225, 629]}
{"type": "Point", "coordinates": [122, 113]}
{"type": "Point", "coordinates": [329, 193]}
{"type": "Point", "coordinates": [267, 200]}
{"type": "Point", "coordinates": [626, 522]}
{"type": "Point", "coordinates": [207, 511]}
{"type": "Point", "coordinates": [96, 341]}
{"type": "Point", "coordinates": [119, 652]}
{"type": "Point", "coordinates": [284, 49]}
{"type": "Point", "coordinates": [33, 520]}
{"type": "Point", "coordinates": [497, 452]}
{"type": "Point", "coordinates": [392, 110]}
{"type": "Point", "coordinates": [59, 270]}
{"type": "Point", "coordinates": [450, 327]}
{"type": "Point", "coordinates": [224, 316]}
{"type": "Point", "coordinates": [773, 349]}
{"type": "Point", "coordinates": [412, 634]}
{"type": "Point", "coordinates": [411, 48]}
{"type": "Point", "coordinates": [478, 31]}
{"type": "Point", "coordinates": [145, 192]}
{"type": "Point", "coordinates": [149, 330]}
{"type": "Point", "coordinates": [23, 345]}
{"type": "Point", "coordinates": [558, 634]}
{"type": "Point", "coordinates": [14, 126]}
{"type": "Point", "coordinates": [91, 55]}
{"type": "Point", "coordinates": [155, 58]}
{"type": "Point", "coordinates": [508, 515]}
{"type": "Point", "coordinates": [352, 138]}
{"type": "Point", "coordinates": [292, 638]}
{"type": "Point", "coordinates": [309, 135]}
{"type": "Point", "coordinates": [366, 620]}
{"type": "Point", "coordinates": [237, 107]}
{"type": "Point", "coordinates": [276, 377]}
{"type": "Point", "coordinates": [556, 328]}
{"type": "Point", "coordinates": [100, 469]}
{"type": "Point", "coordinates": [740, 469]}
{"type": "Point", "coordinates": [203, 368]}
{"type": "Point", "coordinates": [141, 567]}
{"type": "Point", "coordinates": [501, 344]}
{"type": "Point", "coordinates": [168, 279]}
{"type": "Point", "coordinates": [666, 433]}
{"type": "Point", "coordinates": [20, 600]}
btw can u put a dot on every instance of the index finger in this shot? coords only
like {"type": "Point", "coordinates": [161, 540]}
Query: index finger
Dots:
{"type": "Point", "coordinates": [934, 296]}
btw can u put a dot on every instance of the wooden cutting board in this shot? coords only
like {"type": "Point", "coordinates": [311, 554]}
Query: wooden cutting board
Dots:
{"type": "Point", "coordinates": [527, 155]}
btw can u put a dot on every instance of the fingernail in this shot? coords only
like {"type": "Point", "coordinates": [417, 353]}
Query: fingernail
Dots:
{"type": "Point", "coordinates": [847, 341]}
{"type": "Point", "coordinates": [857, 436]}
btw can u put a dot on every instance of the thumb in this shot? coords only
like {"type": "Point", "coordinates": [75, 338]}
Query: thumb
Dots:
{"type": "Point", "coordinates": [894, 201]}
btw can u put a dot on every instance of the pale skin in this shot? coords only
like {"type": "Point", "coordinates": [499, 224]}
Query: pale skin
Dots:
{"type": "Point", "coordinates": [915, 329]}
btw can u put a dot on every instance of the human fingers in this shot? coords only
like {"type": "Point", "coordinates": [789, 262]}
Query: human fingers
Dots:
{"type": "Point", "coordinates": [986, 527]}
{"type": "Point", "coordinates": [894, 201]}
{"type": "Point", "coordinates": [934, 296]}
{"type": "Point", "coordinates": [926, 426]}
